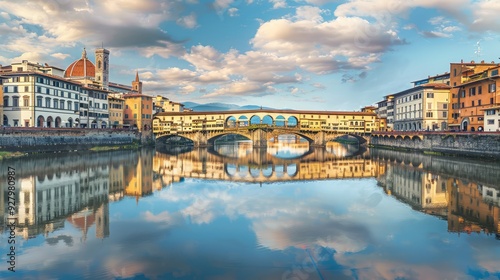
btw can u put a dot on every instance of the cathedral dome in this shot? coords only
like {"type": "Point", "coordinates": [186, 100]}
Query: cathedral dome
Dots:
{"type": "Point", "coordinates": [82, 67]}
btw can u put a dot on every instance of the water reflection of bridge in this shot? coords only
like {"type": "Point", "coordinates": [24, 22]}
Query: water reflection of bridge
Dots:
{"type": "Point", "coordinates": [258, 166]}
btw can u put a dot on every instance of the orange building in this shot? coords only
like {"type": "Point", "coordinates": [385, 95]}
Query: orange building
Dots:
{"type": "Point", "coordinates": [138, 112]}
{"type": "Point", "coordinates": [473, 208]}
{"type": "Point", "coordinates": [474, 89]}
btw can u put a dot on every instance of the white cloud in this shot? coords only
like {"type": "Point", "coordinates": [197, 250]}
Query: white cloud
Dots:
{"type": "Point", "coordinates": [188, 21]}
{"type": "Point", "coordinates": [60, 55]}
{"type": "Point", "coordinates": [233, 12]}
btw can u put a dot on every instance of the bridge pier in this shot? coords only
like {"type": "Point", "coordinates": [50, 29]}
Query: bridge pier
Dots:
{"type": "Point", "coordinates": [259, 138]}
{"type": "Point", "coordinates": [200, 140]}
{"type": "Point", "coordinates": [319, 140]}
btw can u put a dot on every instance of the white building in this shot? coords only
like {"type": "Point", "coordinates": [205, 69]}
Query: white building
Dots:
{"type": "Point", "coordinates": [36, 99]}
{"type": "Point", "coordinates": [492, 119]}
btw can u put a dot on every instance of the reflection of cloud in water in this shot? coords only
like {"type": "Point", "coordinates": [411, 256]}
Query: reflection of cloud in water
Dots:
{"type": "Point", "coordinates": [300, 229]}
{"type": "Point", "coordinates": [278, 220]}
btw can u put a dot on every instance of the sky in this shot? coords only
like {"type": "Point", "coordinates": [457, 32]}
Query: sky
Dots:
{"type": "Point", "coordinates": [302, 54]}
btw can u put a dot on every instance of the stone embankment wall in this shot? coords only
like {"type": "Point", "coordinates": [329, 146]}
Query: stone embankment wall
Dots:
{"type": "Point", "coordinates": [480, 144]}
{"type": "Point", "coordinates": [65, 139]}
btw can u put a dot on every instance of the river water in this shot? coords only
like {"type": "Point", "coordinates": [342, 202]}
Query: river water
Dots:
{"type": "Point", "coordinates": [235, 212]}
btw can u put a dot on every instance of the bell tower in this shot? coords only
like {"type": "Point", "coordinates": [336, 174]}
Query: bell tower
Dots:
{"type": "Point", "coordinates": [102, 67]}
{"type": "Point", "coordinates": [137, 84]}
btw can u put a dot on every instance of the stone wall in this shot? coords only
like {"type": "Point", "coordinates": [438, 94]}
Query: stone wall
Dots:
{"type": "Point", "coordinates": [464, 144]}
{"type": "Point", "coordinates": [64, 139]}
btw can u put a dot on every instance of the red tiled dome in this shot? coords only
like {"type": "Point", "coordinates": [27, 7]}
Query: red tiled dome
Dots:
{"type": "Point", "coordinates": [82, 67]}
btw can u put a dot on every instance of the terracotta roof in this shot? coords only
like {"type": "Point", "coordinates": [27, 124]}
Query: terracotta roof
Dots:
{"type": "Point", "coordinates": [270, 111]}
{"type": "Point", "coordinates": [82, 67]}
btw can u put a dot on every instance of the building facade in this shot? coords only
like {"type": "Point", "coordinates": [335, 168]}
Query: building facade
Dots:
{"type": "Point", "coordinates": [116, 107]}
{"type": "Point", "coordinates": [492, 118]}
{"type": "Point", "coordinates": [474, 88]}
{"type": "Point", "coordinates": [35, 99]}
{"type": "Point", "coordinates": [424, 107]}
{"type": "Point", "coordinates": [138, 111]}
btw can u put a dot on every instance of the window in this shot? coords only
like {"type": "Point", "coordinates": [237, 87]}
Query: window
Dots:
{"type": "Point", "coordinates": [15, 101]}
{"type": "Point", "coordinates": [47, 102]}
{"type": "Point", "coordinates": [70, 104]}
{"type": "Point", "coordinates": [445, 114]}
{"type": "Point", "coordinates": [472, 103]}
{"type": "Point", "coordinates": [428, 114]}
{"type": "Point", "coordinates": [26, 101]}
{"type": "Point", "coordinates": [61, 104]}
{"type": "Point", "coordinates": [491, 100]}
{"type": "Point", "coordinates": [492, 87]}
{"type": "Point", "coordinates": [445, 106]}
{"type": "Point", "coordinates": [6, 101]}
{"type": "Point", "coordinates": [76, 106]}
{"type": "Point", "coordinates": [479, 102]}
{"type": "Point", "coordinates": [472, 91]}
{"type": "Point", "coordinates": [39, 101]}
{"type": "Point", "coordinates": [126, 116]}
{"type": "Point", "coordinates": [491, 121]}
{"type": "Point", "coordinates": [479, 89]}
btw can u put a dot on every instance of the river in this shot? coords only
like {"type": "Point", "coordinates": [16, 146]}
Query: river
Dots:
{"type": "Point", "coordinates": [237, 212]}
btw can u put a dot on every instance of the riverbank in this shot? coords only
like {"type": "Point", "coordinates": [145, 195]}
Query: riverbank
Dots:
{"type": "Point", "coordinates": [465, 144]}
{"type": "Point", "coordinates": [15, 142]}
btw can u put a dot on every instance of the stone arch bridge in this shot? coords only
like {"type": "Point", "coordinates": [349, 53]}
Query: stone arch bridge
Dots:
{"type": "Point", "coordinates": [260, 126]}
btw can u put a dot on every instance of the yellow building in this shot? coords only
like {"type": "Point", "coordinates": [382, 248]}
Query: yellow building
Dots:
{"type": "Point", "coordinates": [116, 107]}
{"type": "Point", "coordinates": [341, 122]}
{"type": "Point", "coordinates": [163, 104]}
{"type": "Point", "coordinates": [139, 177]}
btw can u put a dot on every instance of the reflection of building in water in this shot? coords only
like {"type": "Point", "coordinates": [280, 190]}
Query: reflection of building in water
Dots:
{"type": "Point", "coordinates": [75, 188]}
{"type": "Point", "coordinates": [473, 207]}
{"type": "Point", "coordinates": [139, 175]}
{"type": "Point", "coordinates": [87, 217]}
{"type": "Point", "coordinates": [116, 182]}
{"type": "Point", "coordinates": [422, 190]}
{"type": "Point", "coordinates": [468, 206]}
{"type": "Point", "coordinates": [44, 201]}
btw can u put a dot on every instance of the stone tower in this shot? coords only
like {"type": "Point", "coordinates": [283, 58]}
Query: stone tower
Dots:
{"type": "Point", "coordinates": [102, 67]}
{"type": "Point", "coordinates": [137, 85]}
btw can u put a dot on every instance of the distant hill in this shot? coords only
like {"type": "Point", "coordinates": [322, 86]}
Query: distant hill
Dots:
{"type": "Point", "coordinates": [219, 107]}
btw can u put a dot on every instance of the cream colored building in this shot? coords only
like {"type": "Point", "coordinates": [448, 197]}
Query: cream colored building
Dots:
{"type": "Point", "coordinates": [163, 104]}
{"type": "Point", "coordinates": [423, 107]}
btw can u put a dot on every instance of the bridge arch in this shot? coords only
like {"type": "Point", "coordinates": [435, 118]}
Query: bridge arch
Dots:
{"type": "Point", "coordinates": [164, 137]}
{"type": "Point", "coordinates": [280, 121]}
{"type": "Point", "coordinates": [243, 121]}
{"type": "Point", "coordinates": [212, 138]}
{"type": "Point", "coordinates": [255, 119]}
{"type": "Point", "coordinates": [361, 140]}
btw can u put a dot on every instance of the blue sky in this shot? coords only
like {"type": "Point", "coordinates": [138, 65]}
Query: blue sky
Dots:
{"type": "Point", "coordinates": [303, 54]}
